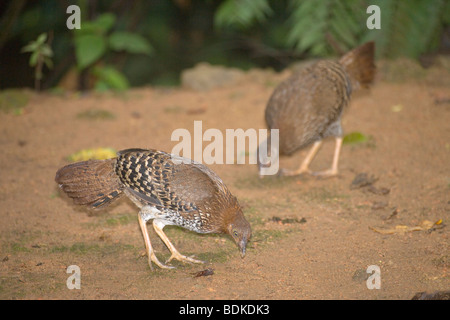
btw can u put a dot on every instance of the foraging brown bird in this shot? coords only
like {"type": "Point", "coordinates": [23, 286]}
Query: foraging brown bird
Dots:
{"type": "Point", "coordinates": [169, 189]}
{"type": "Point", "coordinates": [307, 107]}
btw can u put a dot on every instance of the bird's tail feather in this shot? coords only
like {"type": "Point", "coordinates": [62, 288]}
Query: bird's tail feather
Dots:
{"type": "Point", "coordinates": [93, 183]}
{"type": "Point", "coordinates": [359, 64]}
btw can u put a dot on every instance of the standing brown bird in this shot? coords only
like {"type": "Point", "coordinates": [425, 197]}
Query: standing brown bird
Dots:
{"type": "Point", "coordinates": [169, 189]}
{"type": "Point", "coordinates": [307, 107]}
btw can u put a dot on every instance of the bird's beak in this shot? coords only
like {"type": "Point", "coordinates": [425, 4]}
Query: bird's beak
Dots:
{"type": "Point", "coordinates": [242, 246]}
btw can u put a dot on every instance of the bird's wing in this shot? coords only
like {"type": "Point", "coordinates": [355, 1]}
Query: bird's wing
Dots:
{"type": "Point", "coordinates": [144, 174]}
{"type": "Point", "coordinates": [166, 181]}
{"type": "Point", "coordinates": [305, 104]}
{"type": "Point", "coordinates": [315, 91]}
{"type": "Point", "coordinates": [331, 94]}
{"type": "Point", "coordinates": [194, 183]}
{"type": "Point", "coordinates": [147, 198]}
{"type": "Point", "coordinates": [91, 183]}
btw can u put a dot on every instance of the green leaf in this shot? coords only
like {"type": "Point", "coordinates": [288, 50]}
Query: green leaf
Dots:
{"type": "Point", "coordinates": [99, 26]}
{"type": "Point", "coordinates": [241, 13]}
{"type": "Point", "coordinates": [32, 46]}
{"type": "Point", "coordinates": [101, 86]}
{"type": "Point", "coordinates": [110, 77]}
{"type": "Point", "coordinates": [309, 23]}
{"type": "Point", "coordinates": [34, 58]}
{"type": "Point", "coordinates": [129, 42]}
{"type": "Point", "coordinates": [100, 153]}
{"type": "Point", "coordinates": [88, 27]}
{"type": "Point", "coordinates": [105, 21]}
{"type": "Point", "coordinates": [41, 39]}
{"type": "Point", "coordinates": [88, 49]}
{"type": "Point", "coordinates": [46, 51]}
{"type": "Point", "coordinates": [355, 138]}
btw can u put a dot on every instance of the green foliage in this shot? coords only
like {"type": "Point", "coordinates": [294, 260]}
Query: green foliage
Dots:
{"type": "Point", "coordinates": [39, 50]}
{"type": "Point", "coordinates": [109, 77]}
{"type": "Point", "coordinates": [41, 53]}
{"type": "Point", "coordinates": [129, 42]}
{"type": "Point", "coordinates": [91, 41]}
{"type": "Point", "coordinates": [100, 26]}
{"type": "Point", "coordinates": [308, 25]}
{"type": "Point", "coordinates": [94, 40]}
{"type": "Point", "coordinates": [241, 13]}
{"type": "Point", "coordinates": [100, 153]}
{"type": "Point", "coordinates": [409, 28]}
{"type": "Point", "coordinates": [355, 138]}
{"type": "Point", "coordinates": [320, 28]}
{"type": "Point", "coordinates": [89, 48]}
{"type": "Point", "coordinates": [359, 139]}
{"type": "Point", "coordinates": [152, 41]}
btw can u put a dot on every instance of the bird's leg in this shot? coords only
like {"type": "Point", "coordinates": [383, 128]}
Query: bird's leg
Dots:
{"type": "Point", "coordinates": [158, 225]}
{"type": "Point", "coordinates": [333, 171]}
{"type": "Point", "coordinates": [150, 253]}
{"type": "Point", "coordinates": [304, 167]}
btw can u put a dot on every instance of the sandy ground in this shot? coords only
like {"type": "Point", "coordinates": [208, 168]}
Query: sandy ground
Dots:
{"type": "Point", "coordinates": [312, 238]}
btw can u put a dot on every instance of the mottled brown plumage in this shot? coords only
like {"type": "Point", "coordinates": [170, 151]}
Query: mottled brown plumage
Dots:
{"type": "Point", "coordinates": [169, 189]}
{"type": "Point", "coordinates": [307, 107]}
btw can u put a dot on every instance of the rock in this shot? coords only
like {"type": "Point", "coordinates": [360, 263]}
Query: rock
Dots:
{"type": "Point", "coordinates": [362, 180]}
{"type": "Point", "coordinates": [437, 295]}
{"type": "Point", "coordinates": [204, 77]}
{"type": "Point", "coordinates": [360, 275]}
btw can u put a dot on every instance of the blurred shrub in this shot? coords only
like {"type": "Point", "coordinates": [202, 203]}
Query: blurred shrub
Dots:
{"type": "Point", "coordinates": [41, 53]}
{"type": "Point", "coordinates": [94, 40]}
{"type": "Point", "coordinates": [319, 28]}
{"type": "Point", "coordinates": [139, 42]}
{"type": "Point", "coordinates": [242, 13]}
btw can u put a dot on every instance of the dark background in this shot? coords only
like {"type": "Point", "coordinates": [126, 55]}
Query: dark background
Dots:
{"type": "Point", "coordinates": [243, 34]}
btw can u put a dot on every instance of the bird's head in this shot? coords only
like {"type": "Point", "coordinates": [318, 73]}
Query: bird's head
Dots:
{"type": "Point", "coordinates": [240, 231]}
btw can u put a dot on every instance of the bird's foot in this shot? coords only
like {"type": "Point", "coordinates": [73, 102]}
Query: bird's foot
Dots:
{"type": "Point", "coordinates": [291, 173]}
{"type": "Point", "coordinates": [326, 174]}
{"type": "Point", "coordinates": [155, 260]}
{"type": "Point", "coordinates": [178, 256]}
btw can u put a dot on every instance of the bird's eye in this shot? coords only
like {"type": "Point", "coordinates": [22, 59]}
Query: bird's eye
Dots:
{"type": "Point", "coordinates": [235, 234]}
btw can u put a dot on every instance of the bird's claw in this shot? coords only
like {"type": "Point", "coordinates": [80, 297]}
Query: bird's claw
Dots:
{"type": "Point", "coordinates": [325, 174]}
{"type": "Point", "coordinates": [291, 173]}
{"type": "Point", "coordinates": [155, 260]}
{"type": "Point", "coordinates": [183, 258]}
